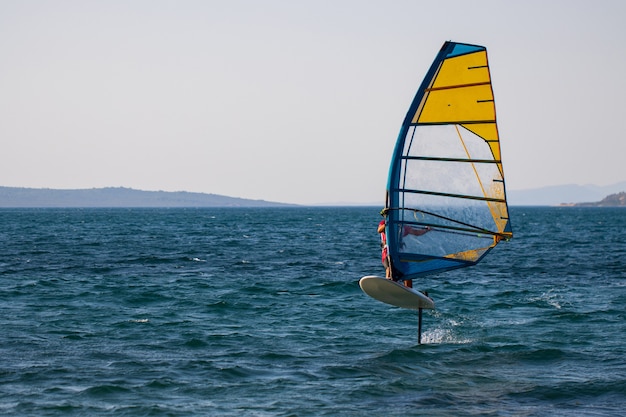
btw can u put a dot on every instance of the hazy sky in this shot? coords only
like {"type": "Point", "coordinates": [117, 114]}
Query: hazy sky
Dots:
{"type": "Point", "coordinates": [294, 100]}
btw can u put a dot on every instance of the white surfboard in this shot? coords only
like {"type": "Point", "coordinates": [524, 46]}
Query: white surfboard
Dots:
{"type": "Point", "coordinates": [394, 293]}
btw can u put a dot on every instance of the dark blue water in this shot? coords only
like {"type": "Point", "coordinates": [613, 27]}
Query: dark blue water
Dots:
{"type": "Point", "coordinates": [237, 312]}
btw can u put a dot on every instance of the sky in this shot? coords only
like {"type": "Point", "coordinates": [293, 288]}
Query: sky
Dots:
{"type": "Point", "coordinates": [294, 101]}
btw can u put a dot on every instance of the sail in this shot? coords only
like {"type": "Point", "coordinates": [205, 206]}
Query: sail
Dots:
{"type": "Point", "coordinates": [446, 196]}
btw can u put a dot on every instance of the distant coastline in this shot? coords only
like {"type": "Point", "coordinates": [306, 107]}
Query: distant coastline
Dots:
{"type": "Point", "coordinates": [15, 197]}
{"type": "Point", "coordinates": [563, 195]}
{"type": "Point", "coordinates": [19, 197]}
{"type": "Point", "coordinates": [613, 200]}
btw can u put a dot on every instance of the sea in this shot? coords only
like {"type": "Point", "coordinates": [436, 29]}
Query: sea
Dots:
{"type": "Point", "coordinates": [258, 312]}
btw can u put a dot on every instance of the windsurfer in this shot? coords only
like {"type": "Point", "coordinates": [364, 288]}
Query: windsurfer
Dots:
{"type": "Point", "coordinates": [406, 230]}
{"type": "Point", "coordinates": [383, 244]}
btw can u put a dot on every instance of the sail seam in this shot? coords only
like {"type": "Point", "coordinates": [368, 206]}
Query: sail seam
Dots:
{"type": "Point", "coordinates": [480, 183]}
{"type": "Point", "coordinates": [452, 87]}
{"type": "Point", "coordinates": [492, 208]}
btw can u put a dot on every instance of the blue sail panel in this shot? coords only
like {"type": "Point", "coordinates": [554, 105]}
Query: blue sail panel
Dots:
{"type": "Point", "coordinates": [463, 48]}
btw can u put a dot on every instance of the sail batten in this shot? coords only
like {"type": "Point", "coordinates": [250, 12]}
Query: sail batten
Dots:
{"type": "Point", "coordinates": [433, 158]}
{"type": "Point", "coordinates": [460, 196]}
{"type": "Point", "coordinates": [460, 122]}
{"type": "Point", "coordinates": [446, 173]}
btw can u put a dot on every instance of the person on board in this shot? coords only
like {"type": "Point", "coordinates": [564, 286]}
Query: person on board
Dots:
{"type": "Point", "coordinates": [406, 230]}
{"type": "Point", "coordinates": [383, 245]}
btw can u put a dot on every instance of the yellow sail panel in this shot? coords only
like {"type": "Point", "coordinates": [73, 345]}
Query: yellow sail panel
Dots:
{"type": "Point", "coordinates": [460, 92]}
{"type": "Point", "coordinates": [464, 69]}
{"type": "Point", "coordinates": [489, 132]}
{"type": "Point", "coordinates": [500, 216]}
{"type": "Point", "coordinates": [458, 105]}
{"type": "Point", "coordinates": [471, 255]}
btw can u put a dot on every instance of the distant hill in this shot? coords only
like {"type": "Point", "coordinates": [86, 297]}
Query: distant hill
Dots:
{"type": "Point", "coordinates": [613, 200]}
{"type": "Point", "coordinates": [562, 194]}
{"type": "Point", "coordinates": [119, 197]}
